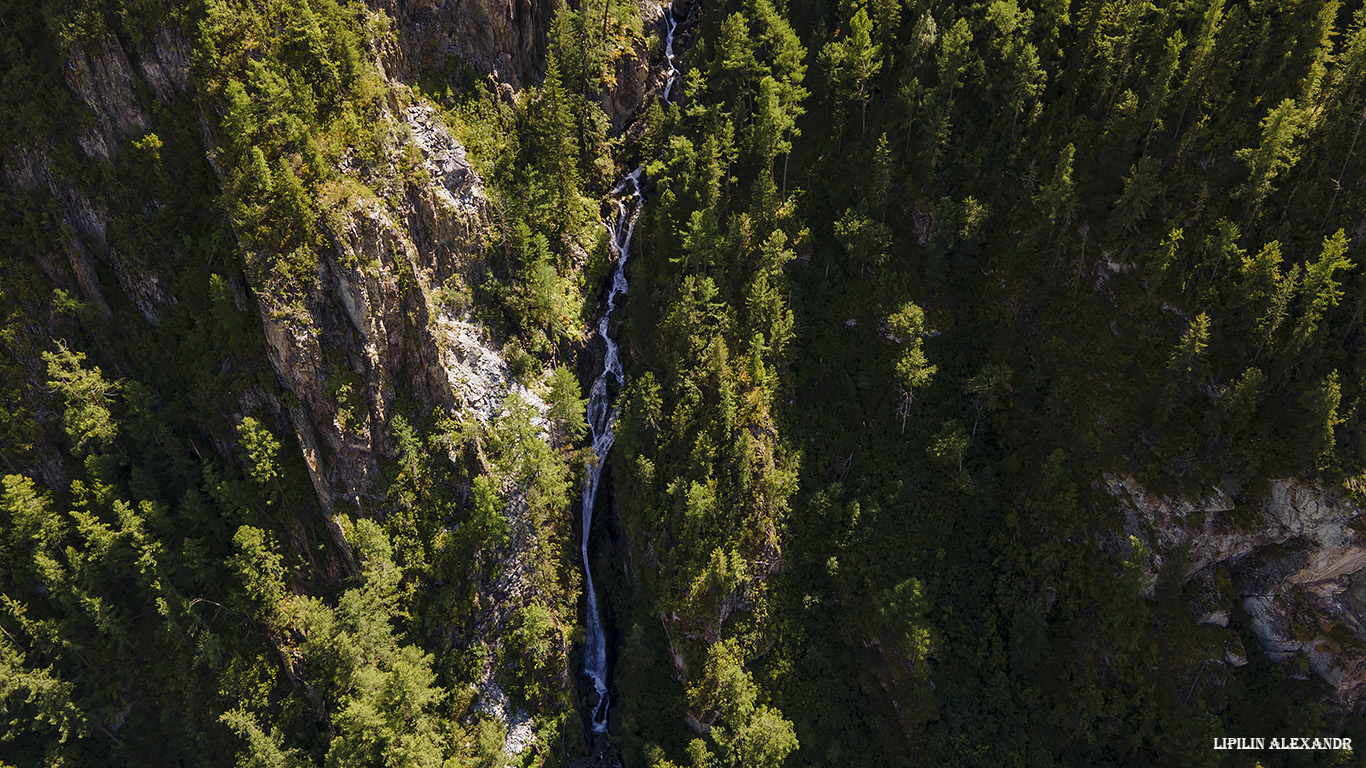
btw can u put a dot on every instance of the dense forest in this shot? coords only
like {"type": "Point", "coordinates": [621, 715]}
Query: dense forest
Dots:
{"type": "Point", "coordinates": [929, 301]}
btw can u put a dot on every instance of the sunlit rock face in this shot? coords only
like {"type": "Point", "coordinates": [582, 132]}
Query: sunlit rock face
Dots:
{"type": "Point", "coordinates": [1293, 560]}
{"type": "Point", "coordinates": [384, 305]}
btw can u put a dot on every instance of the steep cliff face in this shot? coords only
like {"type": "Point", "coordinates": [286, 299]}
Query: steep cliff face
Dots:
{"type": "Point", "coordinates": [634, 82]}
{"type": "Point", "coordinates": [505, 38]}
{"type": "Point", "coordinates": [104, 79]}
{"type": "Point", "coordinates": [386, 316]}
{"type": "Point", "coordinates": [1292, 561]}
{"type": "Point", "coordinates": [371, 325]}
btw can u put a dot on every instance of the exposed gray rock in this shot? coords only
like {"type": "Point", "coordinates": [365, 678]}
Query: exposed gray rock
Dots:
{"type": "Point", "coordinates": [165, 65]}
{"type": "Point", "coordinates": [521, 732]}
{"type": "Point", "coordinates": [507, 40]}
{"type": "Point", "coordinates": [83, 268]}
{"type": "Point", "coordinates": [632, 76]}
{"type": "Point", "coordinates": [143, 288]}
{"type": "Point", "coordinates": [381, 313]}
{"type": "Point", "coordinates": [103, 80]}
{"type": "Point", "coordinates": [503, 37]}
{"type": "Point", "coordinates": [445, 159]}
{"type": "Point", "coordinates": [1296, 563]}
{"type": "Point", "coordinates": [25, 169]}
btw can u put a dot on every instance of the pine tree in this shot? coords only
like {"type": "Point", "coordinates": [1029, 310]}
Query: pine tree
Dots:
{"type": "Point", "coordinates": [736, 64]}
{"type": "Point", "coordinates": [880, 190]}
{"type": "Point", "coordinates": [954, 50]}
{"type": "Point", "coordinates": [263, 452]}
{"type": "Point", "coordinates": [772, 124]}
{"type": "Point", "coordinates": [88, 396]}
{"type": "Point", "coordinates": [1186, 358]}
{"type": "Point", "coordinates": [1276, 152]}
{"type": "Point", "coordinates": [1321, 405]}
{"type": "Point", "coordinates": [1022, 77]}
{"type": "Point", "coordinates": [853, 63]}
{"type": "Point", "coordinates": [260, 576]}
{"type": "Point", "coordinates": [1285, 288]}
{"type": "Point", "coordinates": [1322, 290]}
{"type": "Point", "coordinates": [865, 240]}
{"type": "Point", "coordinates": [1202, 58]}
{"type": "Point", "coordinates": [1057, 200]}
{"type": "Point", "coordinates": [1140, 189]}
{"type": "Point", "coordinates": [1260, 274]}
{"type": "Point", "coordinates": [1346, 90]}
{"type": "Point", "coordinates": [910, 96]}
{"type": "Point", "coordinates": [568, 407]}
{"type": "Point", "coordinates": [552, 126]}
{"type": "Point", "coordinates": [1162, 83]}
{"type": "Point", "coordinates": [913, 369]}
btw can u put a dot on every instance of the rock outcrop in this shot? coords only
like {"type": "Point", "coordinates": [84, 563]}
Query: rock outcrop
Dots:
{"type": "Point", "coordinates": [634, 82]}
{"type": "Point", "coordinates": [1294, 561]}
{"type": "Point", "coordinates": [505, 38]}
{"type": "Point", "coordinates": [103, 79]}
{"type": "Point", "coordinates": [386, 311]}
{"type": "Point", "coordinates": [383, 317]}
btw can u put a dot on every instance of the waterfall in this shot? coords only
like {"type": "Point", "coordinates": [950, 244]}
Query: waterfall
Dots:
{"type": "Point", "coordinates": [601, 420]}
{"type": "Point", "coordinates": [669, 26]}
{"type": "Point", "coordinates": [602, 416]}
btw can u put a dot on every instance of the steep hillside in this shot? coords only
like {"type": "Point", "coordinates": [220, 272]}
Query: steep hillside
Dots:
{"type": "Point", "coordinates": [289, 478]}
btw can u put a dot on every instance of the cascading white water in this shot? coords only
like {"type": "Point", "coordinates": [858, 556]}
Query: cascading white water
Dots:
{"type": "Point", "coordinates": [669, 26]}
{"type": "Point", "coordinates": [601, 416]}
{"type": "Point", "coordinates": [601, 419]}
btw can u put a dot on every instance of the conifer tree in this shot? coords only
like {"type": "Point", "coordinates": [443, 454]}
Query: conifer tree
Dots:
{"type": "Point", "coordinates": [736, 62]}
{"type": "Point", "coordinates": [913, 369]}
{"type": "Point", "coordinates": [552, 124]}
{"type": "Point", "coordinates": [952, 57]}
{"type": "Point", "coordinates": [853, 63]}
{"type": "Point", "coordinates": [1057, 200]}
{"type": "Point", "coordinates": [1186, 358]}
{"type": "Point", "coordinates": [1161, 83]}
{"type": "Point", "coordinates": [1140, 189]}
{"type": "Point", "coordinates": [1202, 58]}
{"type": "Point", "coordinates": [880, 190]}
{"type": "Point", "coordinates": [1321, 290]}
{"type": "Point", "coordinates": [568, 408]}
{"type": "Point", "coordinates": [1276, 152]}
{"type": "Point", "coordinates": [88, 396]}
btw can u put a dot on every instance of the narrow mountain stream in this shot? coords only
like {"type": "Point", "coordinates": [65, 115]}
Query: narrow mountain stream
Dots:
{"type": "Point", "coordinates": [602, 416]}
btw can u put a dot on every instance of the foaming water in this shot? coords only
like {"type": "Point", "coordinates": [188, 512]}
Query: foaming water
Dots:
{"type": "Point", "coordinates": [602, 417]}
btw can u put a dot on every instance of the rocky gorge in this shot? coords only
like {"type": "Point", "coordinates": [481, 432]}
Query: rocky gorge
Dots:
{"type": "Point", "coordinates": [332, 434]}
{"type": "Point", "coordinates": [386, 313]}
